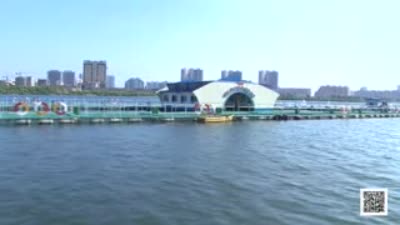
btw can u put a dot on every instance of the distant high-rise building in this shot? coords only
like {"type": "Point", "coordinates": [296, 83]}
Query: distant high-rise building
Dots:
{"type": "Point", "coordinates": [110, 81]}
{"type": "Point", "coordinates": [224, 74]}
{"type": "Point", "coordinates": [69, 78]}
{"type": "Point", "coordinates": [184, 75]}
{"type": "Point", "coordinates": [328, 91]}
{"type": "Point", "coordinates": [28, 81]}
{"type": "Point", "coordinates": [94, 74]}
{"type": "Point", "coordinates": [134, 84]}
{"type": "Point", "coordinates": [295, 92]}
{"type": "Point", "coordinates": [41, 82]}
{"type": "Point", "coordinates": [268, 79]}
{"type": "Point", "coordinates": [231, 75]}
{"type": "Point", "coordinates": [191, 74]}
{"type": "Point", "coordinates": [22, 81]}
{"type": "Point", "coordinates": [197, 74]}
{"type": "Point", "coordinates": [154, 85]}
{"type": "Point", "coordinates": [54, 77]}
{"type": "Point", "coordinates": [393, 95]}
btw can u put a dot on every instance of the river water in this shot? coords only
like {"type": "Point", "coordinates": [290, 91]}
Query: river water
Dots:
{"type": "Point", "coordinates": [254, 172]}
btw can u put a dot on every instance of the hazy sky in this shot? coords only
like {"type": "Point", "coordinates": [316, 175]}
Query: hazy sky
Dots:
{"type": "Point", "coordinates": [310, 43]}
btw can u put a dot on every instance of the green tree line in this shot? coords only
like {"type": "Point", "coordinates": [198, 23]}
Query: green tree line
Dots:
{"type": "Point", "coordinates": [8, 90]}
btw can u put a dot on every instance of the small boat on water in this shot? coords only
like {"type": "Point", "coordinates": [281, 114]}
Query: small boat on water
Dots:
{"type": "Point", "coordinates": [215, 119]}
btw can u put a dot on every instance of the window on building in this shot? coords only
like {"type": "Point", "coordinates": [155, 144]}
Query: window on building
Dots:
{"type": "Point", "coordinates": [183, 99]}
{"type": "Point", "coordinates": [174, 98]}
{"type": "Point", "coordinates": [193, 99]}
{"type": "Point", "coordinates": [165, 98]}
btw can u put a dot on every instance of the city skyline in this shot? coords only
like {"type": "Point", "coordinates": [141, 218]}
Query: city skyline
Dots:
{"type": "Point", "coordinates": [75, 80]}
{"type": "Point", "coordinates": [266, 78]}
{"type": "Point", "coordinates": [310, 43]}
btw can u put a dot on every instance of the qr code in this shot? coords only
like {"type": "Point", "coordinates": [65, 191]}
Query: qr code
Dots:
{"type": "Point", "coordinates": [373, 202]}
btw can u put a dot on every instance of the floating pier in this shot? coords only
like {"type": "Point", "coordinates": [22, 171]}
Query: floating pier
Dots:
{"type": "Point", "coordinates": [25, 114]}
{"type": "Point", "coordinates": [188, 117]}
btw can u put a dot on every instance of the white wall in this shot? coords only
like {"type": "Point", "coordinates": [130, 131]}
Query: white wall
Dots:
{"type": "Point", "coordinates": [213, 94]}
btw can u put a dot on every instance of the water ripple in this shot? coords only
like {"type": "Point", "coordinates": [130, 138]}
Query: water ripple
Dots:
{"type": "Point", "coordinates": [300, 172]}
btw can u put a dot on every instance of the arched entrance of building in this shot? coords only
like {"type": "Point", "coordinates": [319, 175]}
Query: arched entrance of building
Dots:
{"type": "Point", "coordinates": [239, 102]}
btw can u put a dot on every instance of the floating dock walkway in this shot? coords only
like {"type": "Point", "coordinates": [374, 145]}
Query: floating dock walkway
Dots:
{"type": "Point", "coordinates": [59, 113]}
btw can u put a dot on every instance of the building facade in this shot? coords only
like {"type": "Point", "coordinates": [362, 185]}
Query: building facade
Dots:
{"type": "Point", "coordinates": [134, 84]}
{"type": "Point", "coordinates": [4, 83]}
{"type": "Point", "coordinates": [329, 91]}
{"type": "Point", "coordinates": [226, 95]}
{"type": "Point", "coordinates": [190, 75]}
{"type": "Point", "coordinates": [378, 94]}
{"type": "Point", "coordinates": [110, 81]}
{"type": "Point", "coordinates": [94, 74]}
{"type": "Point", "coordinates": [54, 77]}
{"type": "Point", "coordinates": [231, 75]}
{"type": "Point", "coordinates": [20, 81]}
{"type": "Point", "coordinates": [41, 82]}
{"type": "Point", "coordinates": [23, 81]}
{"type": "Point", "coordinates": [29, 81]}
{"type": "Point", "coordinates": [155, 85]}
{"type": "Point", "coordinates": [268, 79]}
{"type": "Point", "coordinates": [69, 78]}
{"type": "Point", "coordinates": [295, 92]}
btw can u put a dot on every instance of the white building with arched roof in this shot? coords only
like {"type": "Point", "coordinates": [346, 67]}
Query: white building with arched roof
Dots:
{"type": "Point", "coordinates": [227, 95]}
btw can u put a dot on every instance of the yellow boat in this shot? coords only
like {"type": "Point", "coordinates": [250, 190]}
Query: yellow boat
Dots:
{"type": "Point", "coordinates": [215, 119]}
